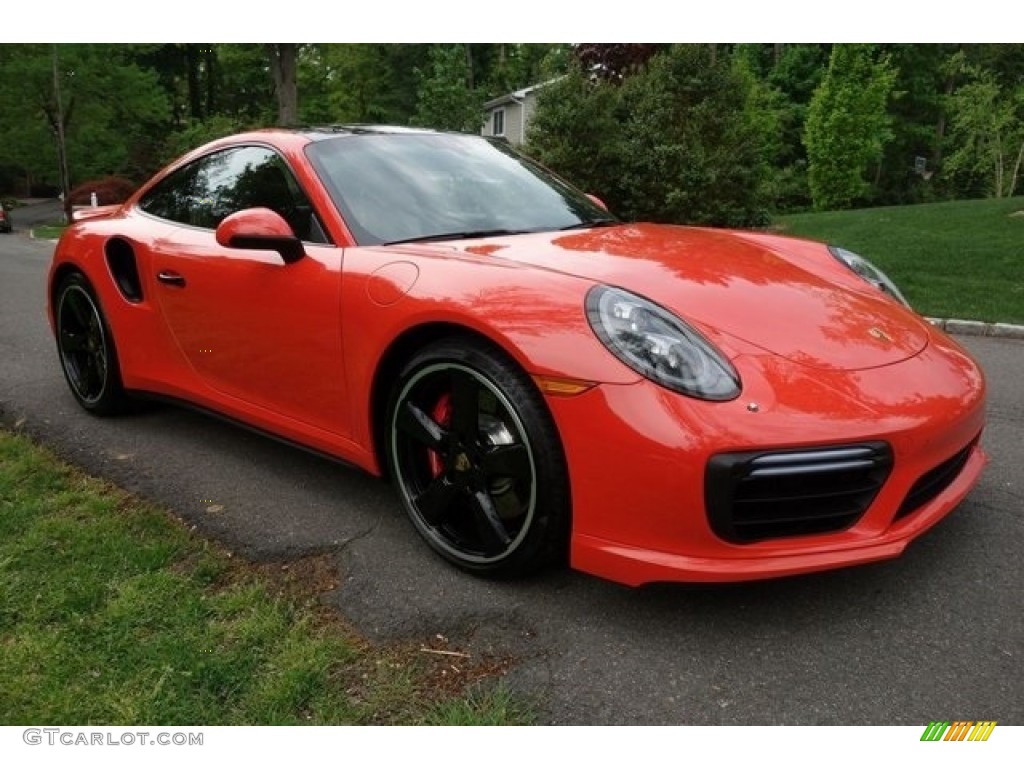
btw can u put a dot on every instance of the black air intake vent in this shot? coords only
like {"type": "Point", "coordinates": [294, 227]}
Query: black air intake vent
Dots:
{"type": "Point", "coordinates": [761, 495]}
{"type": "Point", "coordinates": [935, 481]}
{"type": "Point", "coordinates": [121, 263]}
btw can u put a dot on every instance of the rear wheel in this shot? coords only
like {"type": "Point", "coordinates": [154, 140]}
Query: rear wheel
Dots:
{"type": "Point", "coordinates": [477, 460]}
{"type": "Point", "coordinates": [86, 348]}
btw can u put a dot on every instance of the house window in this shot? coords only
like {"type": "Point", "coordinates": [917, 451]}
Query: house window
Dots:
{"type": "Point", "coordinates": [498, 122]}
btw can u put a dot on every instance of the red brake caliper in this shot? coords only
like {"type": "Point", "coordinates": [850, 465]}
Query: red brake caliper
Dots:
{"type": "Point", "coordinates": [442, 414]}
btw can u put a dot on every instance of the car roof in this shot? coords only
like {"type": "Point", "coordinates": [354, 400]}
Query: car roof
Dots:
{"type": "Point", "coordinates": [298, 136]}
{"type": "Point", "coordinates": [295, 137]}
{"type": "Point", "coordinates": [322, 132]}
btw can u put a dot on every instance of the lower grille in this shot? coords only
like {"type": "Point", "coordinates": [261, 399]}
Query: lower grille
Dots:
{"type": "Point", "coordinates": [935, 481]}
{"type": "Point", "coordinates": [760, 495]}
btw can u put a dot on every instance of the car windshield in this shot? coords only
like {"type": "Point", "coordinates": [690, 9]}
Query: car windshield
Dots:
{"type": "Point", "coordinates": [394, 188]}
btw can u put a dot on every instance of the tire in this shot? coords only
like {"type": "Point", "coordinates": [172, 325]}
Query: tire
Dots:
{"type": "Point", "coordinates": [86, 349]}
{"type": "Point", "coordinates": [477, 461]}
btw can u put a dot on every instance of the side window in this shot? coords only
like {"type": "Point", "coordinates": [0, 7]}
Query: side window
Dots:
{"type": "Point", "coordinates": [171, 199]}
{"type": "Point", "coordinates": [215, 186]}
{"type": "Point", "coordinates": [251, 177]}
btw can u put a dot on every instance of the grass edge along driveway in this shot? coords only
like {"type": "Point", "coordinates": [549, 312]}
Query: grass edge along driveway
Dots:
{"type": "Point", "coordinates": [112, 612]}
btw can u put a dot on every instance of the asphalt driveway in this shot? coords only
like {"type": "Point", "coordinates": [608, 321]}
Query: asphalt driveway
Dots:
{"type": "Point", "coordinates": [938, 634]}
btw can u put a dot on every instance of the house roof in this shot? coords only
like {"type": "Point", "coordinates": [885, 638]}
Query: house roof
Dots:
{"type": "Point", "coordinates": [518, 96]}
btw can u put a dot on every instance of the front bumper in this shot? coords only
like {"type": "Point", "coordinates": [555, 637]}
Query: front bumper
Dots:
{"type": "Point", "coordinates": [638, 456]}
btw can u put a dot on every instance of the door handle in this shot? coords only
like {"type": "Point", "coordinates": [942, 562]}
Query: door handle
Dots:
{"type": "Point", "coordinates": [171, 278]}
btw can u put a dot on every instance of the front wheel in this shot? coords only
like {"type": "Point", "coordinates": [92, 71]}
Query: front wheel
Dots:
{"type": "Point", "coordinates": [86, 348]}
{"type": "Point", "coordinates": [477, 460]}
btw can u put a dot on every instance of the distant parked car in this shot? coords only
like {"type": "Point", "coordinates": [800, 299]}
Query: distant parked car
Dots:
{"type": "Point", "coordinates": [5, 219]}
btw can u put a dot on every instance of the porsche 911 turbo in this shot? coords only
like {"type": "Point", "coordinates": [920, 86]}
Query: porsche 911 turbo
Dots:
{"type": "Point", "coordinates": [540, 381]}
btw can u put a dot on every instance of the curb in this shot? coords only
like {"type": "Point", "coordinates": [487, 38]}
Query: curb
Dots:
{"type": "Point", "coordinates": [32, 236]}
{"type": "Point", "coordinates": [977, 328]}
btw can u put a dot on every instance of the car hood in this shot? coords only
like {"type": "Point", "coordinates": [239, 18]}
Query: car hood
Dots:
{"type": "Point", "coordinates": [725, 282]}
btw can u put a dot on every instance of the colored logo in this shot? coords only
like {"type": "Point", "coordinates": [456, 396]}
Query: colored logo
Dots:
{"type": "Point", "coordinates": [960, 730]}
{"type": "Point", "coordinates": [878, 333]}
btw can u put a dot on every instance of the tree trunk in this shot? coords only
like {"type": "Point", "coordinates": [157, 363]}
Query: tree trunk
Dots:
{"type": "Point", "coordinates": [62, 151]}
{"type": "Point", "coordinates": [998, 163]}
{"type": "Point", "coordinates": [940, 127]}
{"type": "Point", "coordinates": [282, 67]}
{"type": "Point", "coordinates": [469, 66]}
{"type": "Point", "coordinates": [195, 94]}
{"type": "Point", "coordinates": [1016, 170]}
{"type": "Point", "coordinates": [210, 56]}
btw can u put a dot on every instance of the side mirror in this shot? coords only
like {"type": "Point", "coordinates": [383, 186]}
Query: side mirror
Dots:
{"type": "Point", "coordinates": [260, 229]}
{"type": "Point", "coordinates": [597, 201]}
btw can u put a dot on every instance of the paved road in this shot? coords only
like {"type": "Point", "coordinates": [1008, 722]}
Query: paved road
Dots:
{"type": "Point", "coordinates": [44, 212]}
{"type": "Point", "coordinates": [938, 634]}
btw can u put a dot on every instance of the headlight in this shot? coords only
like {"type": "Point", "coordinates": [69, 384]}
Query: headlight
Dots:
{"type": "Point", "coordinates": [659, 346]}
{"type": "Point", "coordinates": [869, 272]}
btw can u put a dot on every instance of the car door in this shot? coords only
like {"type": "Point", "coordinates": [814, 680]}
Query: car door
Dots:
{"type": "Point", "coordinates": [252, 327]}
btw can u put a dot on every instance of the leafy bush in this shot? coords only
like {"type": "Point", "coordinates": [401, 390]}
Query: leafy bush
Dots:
{"type": "Point", "coordinates": [109, 190]}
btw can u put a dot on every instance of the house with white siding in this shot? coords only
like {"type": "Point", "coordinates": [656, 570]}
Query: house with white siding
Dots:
{"type": "Point", "coordinates": [509, 115]}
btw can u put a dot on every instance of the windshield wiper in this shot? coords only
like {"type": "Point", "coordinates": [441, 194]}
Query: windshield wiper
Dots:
{"type": "Point", "coordinates": [592, 224]}
{"type": "Point", "coordinates": [459, 236]}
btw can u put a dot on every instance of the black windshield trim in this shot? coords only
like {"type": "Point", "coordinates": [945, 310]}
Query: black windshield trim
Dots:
{"type": "Point", "coordinates": [478, 234]}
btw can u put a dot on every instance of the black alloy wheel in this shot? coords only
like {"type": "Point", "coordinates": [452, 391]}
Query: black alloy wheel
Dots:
{"type": "Point", "coordinates": [86, 347]}
{"type": "Point", "coordinates": [477, 460]}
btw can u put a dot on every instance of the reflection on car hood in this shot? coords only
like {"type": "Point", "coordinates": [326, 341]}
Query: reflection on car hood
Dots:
{"type": "Point", "coordinates": [729, 284]}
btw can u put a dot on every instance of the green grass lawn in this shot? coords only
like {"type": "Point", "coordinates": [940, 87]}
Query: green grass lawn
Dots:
{"type": "Point", "coordinates": [960, 259]}
{"type": "Point", "coordinates": [112, 612]}
{"type": "Point", "coordinates": [48, 231]}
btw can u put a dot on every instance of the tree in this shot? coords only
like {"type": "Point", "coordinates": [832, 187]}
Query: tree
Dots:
{"type": "Point", "coordinates": [986, 129]}
{"type": "Point", "coordinates": [674, 142]}
{"type": "Point", "coordinates": [245, 92]}
{"type": "Point", "coordinates": [371, 82]}
{"type": "Point", "coordinates": [692, 153]}
{"type": "Point", "coordinates": [111, 111]}
{"type": "Point", "coordinates": [57, 117]}
{"type": "Point", "coordinates": [189, 74]}
{"type": "Point", "coordinates": [283, 57]}
{"type": "Point", "coordinates": [518, 65]}
{"type": "Point", "coordinates": [847, 125]}
{"type": "Point", "coordinates": [447, 99]}
{"type": "Point", "coordinates": [577, 130]}
{"type": "Point", "coordinates": [917, 109]}
{"type": "Point", "coordinates": [127, 108]}
{"type": "Point", "coordinates": [614, 62]}
{"type": "Point", "coordinates": [771, 116]}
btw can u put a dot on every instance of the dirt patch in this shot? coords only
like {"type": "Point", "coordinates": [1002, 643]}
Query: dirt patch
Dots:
{"type": "Point", "coordinates": [305, 579]}
{"type": "Point", "coordinates": [451, 670]}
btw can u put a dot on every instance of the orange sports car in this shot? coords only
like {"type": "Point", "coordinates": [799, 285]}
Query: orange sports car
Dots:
{"type": "Point", "coordinates": [539, 380]}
